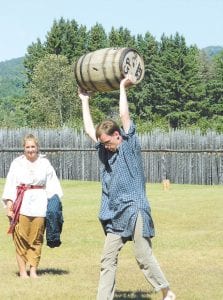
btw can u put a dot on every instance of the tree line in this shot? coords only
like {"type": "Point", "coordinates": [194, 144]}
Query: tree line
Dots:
{"type": "Point", "coordinates": [182, 87]}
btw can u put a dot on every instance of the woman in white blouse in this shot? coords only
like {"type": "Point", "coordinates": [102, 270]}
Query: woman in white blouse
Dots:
{"type": "Point", "coordinates": [30, 182]}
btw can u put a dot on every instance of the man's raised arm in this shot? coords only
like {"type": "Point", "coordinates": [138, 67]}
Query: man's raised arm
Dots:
{"type": "Point", "coordinates": [88, 122]}
{"type": "Point", "coordinates": [123, 103]}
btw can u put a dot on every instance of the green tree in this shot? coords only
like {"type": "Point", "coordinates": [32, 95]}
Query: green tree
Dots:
{"type": "Point", "coordinates": [143, 96]}
{"type": "Point", "coordinates": [35, 53]}
{"type": "Point", "coordinates": [97, 38]}
{"type": "Point", "coordinates": [66, 38]}
{"type": "Point", "coordinates": [52, 94]}
{"type": "Point", "coordinates": [215, 91]}
{"type": "Point", "coordinates": [12, 114]}
{"type": "Point", "coordinates": [121, 38]}
{"type": "Point", "coordinates": [181, 82]}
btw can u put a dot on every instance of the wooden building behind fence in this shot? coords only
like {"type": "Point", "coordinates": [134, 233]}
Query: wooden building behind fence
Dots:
{"type": "Point", "coordinates": [179, 156]}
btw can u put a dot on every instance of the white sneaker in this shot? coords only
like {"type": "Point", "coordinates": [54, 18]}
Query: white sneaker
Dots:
{"type": "Point", "coordinates": [170, 296]}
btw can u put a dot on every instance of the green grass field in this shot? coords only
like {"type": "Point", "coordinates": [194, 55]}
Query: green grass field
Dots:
{"type": "Point", "coordinates": [188, 246]}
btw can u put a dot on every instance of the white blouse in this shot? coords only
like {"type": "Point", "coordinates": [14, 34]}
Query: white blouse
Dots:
{"type": "Point", "coordinates": [39, 172]}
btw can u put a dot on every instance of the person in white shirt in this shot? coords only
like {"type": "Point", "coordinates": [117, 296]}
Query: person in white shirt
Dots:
{"type": "Point", "coordinates": [30, 182]}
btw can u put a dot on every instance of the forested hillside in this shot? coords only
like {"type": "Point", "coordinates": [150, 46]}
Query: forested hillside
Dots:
{"type": "Point", "coordinates": [212, 50]}
{"type": "Point", "coordinates": [12, 77]}
{"type": "Point", "coordinates": [182, 86]}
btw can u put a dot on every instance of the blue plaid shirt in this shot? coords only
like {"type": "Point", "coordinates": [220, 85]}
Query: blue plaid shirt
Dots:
{"type": "Point", "coordinates": [123, 188]}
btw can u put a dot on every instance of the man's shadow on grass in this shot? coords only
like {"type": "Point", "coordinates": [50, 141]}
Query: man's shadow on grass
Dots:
{"type": "Point", "coordinates": [138, 295]}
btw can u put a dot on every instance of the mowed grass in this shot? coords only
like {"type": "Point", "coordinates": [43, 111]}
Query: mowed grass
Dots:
{"type": "Point", "coordinates": [188, 246]}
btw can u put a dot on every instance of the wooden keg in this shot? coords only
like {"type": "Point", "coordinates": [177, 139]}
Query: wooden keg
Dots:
{"type": "Point", "coordinates": [103, 69]}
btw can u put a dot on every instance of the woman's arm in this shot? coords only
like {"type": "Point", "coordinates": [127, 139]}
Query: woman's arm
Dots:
{"type": "Point", "coordinates": [9, 208]}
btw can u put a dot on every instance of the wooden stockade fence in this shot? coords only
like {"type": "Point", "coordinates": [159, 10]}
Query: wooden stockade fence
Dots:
{"type": "Point", "coordinates": [180, 156]}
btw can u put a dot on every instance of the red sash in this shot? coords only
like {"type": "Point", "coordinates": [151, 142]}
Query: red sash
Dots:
{"type": "Point", "coordinates": [18, 202]}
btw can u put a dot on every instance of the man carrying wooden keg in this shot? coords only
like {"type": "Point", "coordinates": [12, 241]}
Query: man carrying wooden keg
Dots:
{"type": "Point", "coordinates": [125, 212]}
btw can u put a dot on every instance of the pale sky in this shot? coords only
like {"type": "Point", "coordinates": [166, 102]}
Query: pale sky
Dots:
{"type": "Point", "coordinates": [23, 21]}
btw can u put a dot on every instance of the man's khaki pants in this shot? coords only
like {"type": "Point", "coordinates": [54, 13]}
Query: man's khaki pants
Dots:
{"type": "Point", "coordinates": [143, 254]}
